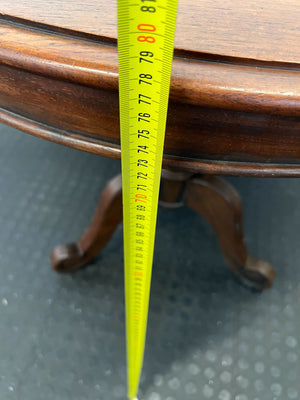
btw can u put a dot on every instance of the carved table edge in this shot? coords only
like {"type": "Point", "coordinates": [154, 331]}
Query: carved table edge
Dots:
{"type": "Point", "coordinates": [169, 162]}
{"type": "Point", "coordinates": [221, 82]}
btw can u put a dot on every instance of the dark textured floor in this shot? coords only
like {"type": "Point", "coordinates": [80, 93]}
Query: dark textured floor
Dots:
{"type": "Point", "coordinates": [62, 337]}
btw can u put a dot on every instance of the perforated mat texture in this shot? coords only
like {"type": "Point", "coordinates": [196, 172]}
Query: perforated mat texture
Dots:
{"type": "Point", "coordinates": [62, 336]}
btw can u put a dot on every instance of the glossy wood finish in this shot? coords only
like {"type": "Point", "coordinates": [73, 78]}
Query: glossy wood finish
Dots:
{"type": "Point", "coordinates": [252, 30]}
{"type": "Point", "coordinates": [220, 204]}
{"type": "Point", "coordinates": [235, 90]}
{"type": "Point", "coordinates": [73, 256]}
{"type": "Point", "coordinates": [209, 196]}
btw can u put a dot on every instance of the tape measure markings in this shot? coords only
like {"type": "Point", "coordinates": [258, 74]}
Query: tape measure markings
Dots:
{"type": "Point", "coordinates": [145, 43]}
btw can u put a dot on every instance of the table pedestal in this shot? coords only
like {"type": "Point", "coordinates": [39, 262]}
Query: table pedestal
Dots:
{"type": "Point", "coordinates": [210, 196]}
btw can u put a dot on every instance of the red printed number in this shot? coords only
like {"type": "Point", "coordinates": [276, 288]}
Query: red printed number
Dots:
{"type": "Point", "coordinates": [149, 39]}
{"type": "Point", "coordinates": [140, 197]}
{"type": "Point", "coordinates": [146, 28]}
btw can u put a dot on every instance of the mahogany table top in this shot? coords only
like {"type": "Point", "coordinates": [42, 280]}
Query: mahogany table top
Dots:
{"type": "Point", "coordinates": [249, 29]}
{"type": "Point", "coordinates": [235, 91]}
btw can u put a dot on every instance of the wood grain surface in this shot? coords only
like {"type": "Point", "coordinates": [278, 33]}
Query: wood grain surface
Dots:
{"type": "Point", "coordinates": [253, 29]}
{"type": "Point", "coordinates": [235, 88]}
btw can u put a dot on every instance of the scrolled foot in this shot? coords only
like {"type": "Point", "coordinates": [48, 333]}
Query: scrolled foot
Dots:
{"type": "Point", "coordinates": [220, 204]}
{"type": "Point", "coordinates": [67, 258]}
{"type": "Point", "coordinates": [71, 257]}
{"type": "Point", "coordinates": [256, 273]}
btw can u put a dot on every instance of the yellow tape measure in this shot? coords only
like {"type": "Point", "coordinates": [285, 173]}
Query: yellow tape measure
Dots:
{"type": "Point", "coordinates": [145, 44]}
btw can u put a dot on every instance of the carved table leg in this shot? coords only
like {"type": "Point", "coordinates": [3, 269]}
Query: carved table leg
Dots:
{"type": "Point", "coordinates": [73, 256]}
{"type": "Point", "coordinates": [210, 196]}
{"type": "Point", "coordinates": [220, 204]}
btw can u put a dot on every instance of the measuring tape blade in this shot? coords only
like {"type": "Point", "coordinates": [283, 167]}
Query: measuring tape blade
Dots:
{"type": "Point", "coordinates": [145, 46]}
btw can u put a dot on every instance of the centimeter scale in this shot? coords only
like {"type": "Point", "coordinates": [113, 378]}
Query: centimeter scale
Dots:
{"type": "Point", "coordinates": [145, 45]}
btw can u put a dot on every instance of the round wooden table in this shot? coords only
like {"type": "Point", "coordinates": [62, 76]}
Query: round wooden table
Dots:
{"type": "Point", "coordinates": [234, 104]}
